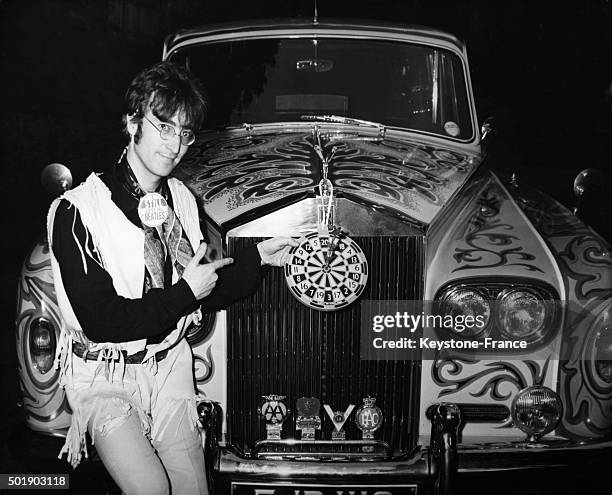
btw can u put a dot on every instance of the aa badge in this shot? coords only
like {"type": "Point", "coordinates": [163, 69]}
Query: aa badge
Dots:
{"type": "Point", "coordinates": [308, 419]}
{"type": "Point", "coordinates": [274, 412]}
{"type": "Point", "coordinates": [338, 419]}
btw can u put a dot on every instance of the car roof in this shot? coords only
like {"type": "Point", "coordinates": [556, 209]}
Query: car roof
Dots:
{"type": "Point", "coordinates": [261, 28]}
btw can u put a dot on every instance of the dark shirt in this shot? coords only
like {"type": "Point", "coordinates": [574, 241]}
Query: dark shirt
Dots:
{"type": "Point", "coordinates": [107, 317]}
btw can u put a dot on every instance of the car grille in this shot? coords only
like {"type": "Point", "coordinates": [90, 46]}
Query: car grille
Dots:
{"type": "Point", "coordinates": [277, 345]}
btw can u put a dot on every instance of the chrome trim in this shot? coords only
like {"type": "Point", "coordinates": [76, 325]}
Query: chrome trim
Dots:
{"type": "Point", "coordinates": [416, 467]}
{"type": "Point", "coordinates": [301, 218]}
{"type": "Point", "coordinates": [329, 454]}
{"type": "Point", "coordinates": [237, 30]}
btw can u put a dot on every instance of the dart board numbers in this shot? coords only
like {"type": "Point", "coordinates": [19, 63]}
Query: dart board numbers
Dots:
{"type": "Point", "coordinates": [326, 272]}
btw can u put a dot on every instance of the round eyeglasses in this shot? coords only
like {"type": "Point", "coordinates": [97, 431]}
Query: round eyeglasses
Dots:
{"type": "Point", "coordinates": [167, 132]}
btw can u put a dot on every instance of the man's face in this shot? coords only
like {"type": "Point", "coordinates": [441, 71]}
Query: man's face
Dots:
{"type": "Point", "coordinates": [153, 157]}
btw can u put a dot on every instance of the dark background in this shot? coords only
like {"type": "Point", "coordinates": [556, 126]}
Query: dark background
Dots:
{"type": "Point", "coordinates": [543, 69]}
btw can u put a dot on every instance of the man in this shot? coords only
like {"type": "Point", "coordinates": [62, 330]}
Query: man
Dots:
{"type": "Point", "coordinates": [130, 276]}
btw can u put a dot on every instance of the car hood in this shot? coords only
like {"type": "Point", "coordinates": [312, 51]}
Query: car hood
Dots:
{"type": "Point", "coordinates": [238, 175]}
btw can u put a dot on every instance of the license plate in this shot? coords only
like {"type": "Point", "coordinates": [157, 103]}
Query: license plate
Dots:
{"type": "Point", "coordinates": [239, 488]}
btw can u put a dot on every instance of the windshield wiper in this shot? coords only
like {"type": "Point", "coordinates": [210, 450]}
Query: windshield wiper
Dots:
{"type": "Point", "coordinates": [382, 130]}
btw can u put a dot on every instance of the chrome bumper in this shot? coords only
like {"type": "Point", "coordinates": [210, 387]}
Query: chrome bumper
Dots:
{"type": "Point", "coordinates": [437, 469]}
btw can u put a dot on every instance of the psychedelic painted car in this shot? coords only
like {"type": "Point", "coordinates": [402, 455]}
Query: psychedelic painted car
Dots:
{"type": "Point", "coordinates": [438, 324]}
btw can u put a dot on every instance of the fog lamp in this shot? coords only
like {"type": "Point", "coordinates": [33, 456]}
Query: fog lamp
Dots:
{"type": "Point", "coordinates": [42, 344]}
{"type": "Point", "coordinates": [465, 301]}
{"type": "Point", "coordinates": [536, 411]}
{"type": "Point", "coordinates": [522, 314]}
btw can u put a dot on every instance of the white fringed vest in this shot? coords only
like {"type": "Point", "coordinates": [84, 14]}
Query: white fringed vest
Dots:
{"type": "Point", "coordinates": [119, 249]}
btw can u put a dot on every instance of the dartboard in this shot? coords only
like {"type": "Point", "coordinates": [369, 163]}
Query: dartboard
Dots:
{"type": "Point", "coordinates": [327, 272]}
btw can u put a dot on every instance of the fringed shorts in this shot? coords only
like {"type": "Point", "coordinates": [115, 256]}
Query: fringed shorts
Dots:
{"type": "Point", "coordinates": [104, 393]}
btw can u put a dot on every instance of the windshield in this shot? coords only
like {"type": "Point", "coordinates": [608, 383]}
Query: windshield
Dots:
{"type": "Point", "coordinates": [271, 80]}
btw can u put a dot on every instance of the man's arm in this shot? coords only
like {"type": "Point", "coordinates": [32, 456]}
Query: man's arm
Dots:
{"type": "Point", "coordinates": [236, 281]}
{"type": "Point", "coordinates": [242, 278]}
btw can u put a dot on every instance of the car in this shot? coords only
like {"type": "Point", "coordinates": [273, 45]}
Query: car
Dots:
{"type": "Point", "coordinates": [441, 326]}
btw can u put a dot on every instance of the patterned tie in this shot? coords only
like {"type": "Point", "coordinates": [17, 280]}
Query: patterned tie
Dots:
{"type": "Point", "coordinates": [154, 257]}
{"type": "Point", "coordinates": [160, 242]}
{"type": "Point", "coordinates": [178, 246]}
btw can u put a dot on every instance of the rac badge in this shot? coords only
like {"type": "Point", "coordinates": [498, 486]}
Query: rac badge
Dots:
{"type": "Point", "coordinates": [274, 412]}
{"type": "Point", "coordinates": [368, 418]}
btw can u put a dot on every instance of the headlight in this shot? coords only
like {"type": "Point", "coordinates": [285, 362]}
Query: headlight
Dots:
{"type": "Point", "coordinates": [467, 302]}
{"type": "Point", "coordinates": [42, 344]}
{"type": "Point", "coordinates": [603, 354]}
{"type": "Point", "coordinates": [536, 411]}
{"type": "Point", "coordinates": [504, 309]}
{"type": "Point", "coordinates": [523, 314]}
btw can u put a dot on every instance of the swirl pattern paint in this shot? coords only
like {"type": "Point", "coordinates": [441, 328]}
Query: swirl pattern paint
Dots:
{"type": "Point", "coordinates": [585, 262]}
{"type": "Point", "coordinates": [234, 174]}
{"type": "Point", "coordinates": [44, 401]}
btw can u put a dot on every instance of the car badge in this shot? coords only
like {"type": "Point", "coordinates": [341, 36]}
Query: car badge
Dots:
{"type": "Point", "coordinates": [274, 412]}
{"type": "Point", "coordinates": [308, 419]}
{"type": "Point", "coordinates": [452, 129]}
{"type": "Point", "coordinates": [153, 209]}
{"type": "Point", "coordinates": [368, 418]}
{"type": "Point", "coordinates": [338, 419]}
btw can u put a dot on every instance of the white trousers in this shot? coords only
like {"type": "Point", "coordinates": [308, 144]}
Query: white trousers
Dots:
{"type": "Point", "coordinates": [142, 420]}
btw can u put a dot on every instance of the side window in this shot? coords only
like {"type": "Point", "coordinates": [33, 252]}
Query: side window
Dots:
{"type": "Point", "coordinates": [454, 114]}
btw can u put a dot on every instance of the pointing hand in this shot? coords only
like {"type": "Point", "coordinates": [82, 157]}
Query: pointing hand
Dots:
{"type": "Point", "coordinates": [202, 278]}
